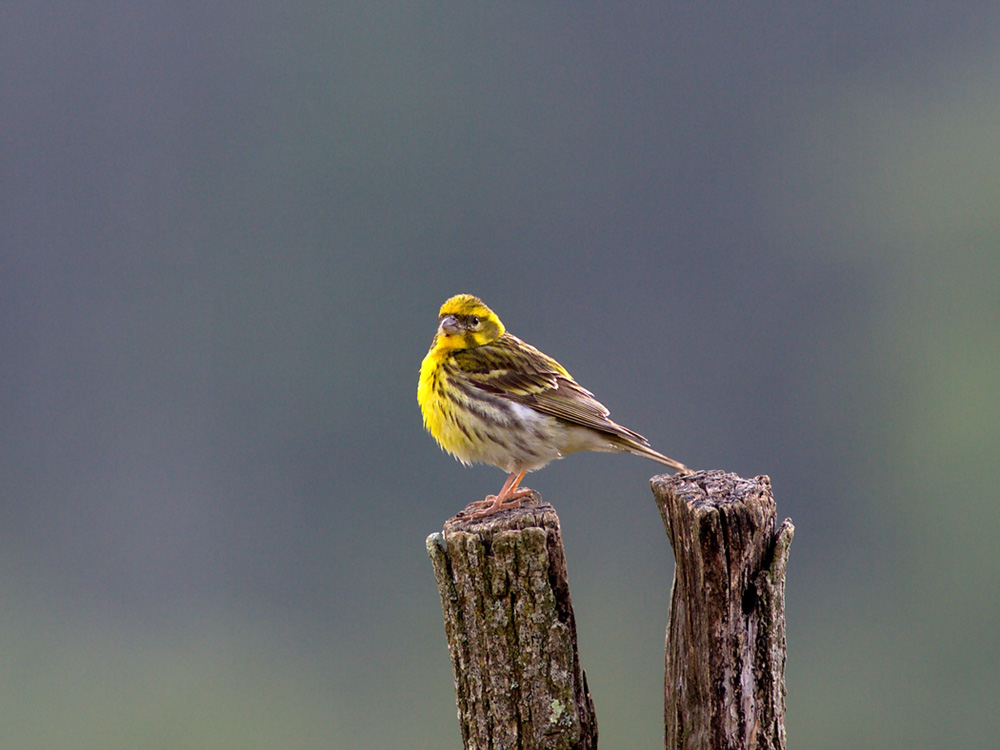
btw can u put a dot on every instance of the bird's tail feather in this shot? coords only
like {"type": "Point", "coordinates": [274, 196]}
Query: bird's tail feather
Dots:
{"type": "Point", "coordinates": [633, 446]}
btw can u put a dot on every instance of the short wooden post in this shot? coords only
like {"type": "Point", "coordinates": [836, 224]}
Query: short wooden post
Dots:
{"type": "Point", "coordinates": [725, 656]}
{"type": "Point", "coordinates": [511, 634]}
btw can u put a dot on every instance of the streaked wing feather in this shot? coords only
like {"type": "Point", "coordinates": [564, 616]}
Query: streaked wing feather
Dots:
{"type": "Point", "coordinates": [573, 403]}
{"type": "Point", "coordinates": [511, 368]}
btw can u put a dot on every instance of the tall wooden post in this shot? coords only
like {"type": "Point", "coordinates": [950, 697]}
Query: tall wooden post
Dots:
{"type": "Point", "coordinates": [725, 656]}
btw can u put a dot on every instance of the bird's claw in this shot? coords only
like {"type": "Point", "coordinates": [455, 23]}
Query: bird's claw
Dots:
{"type": "Point", "coordinates": [494, 504]}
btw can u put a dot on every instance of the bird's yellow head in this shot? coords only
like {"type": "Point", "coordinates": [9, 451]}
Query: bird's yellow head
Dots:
{"type": "Point", "coordinates": [465, 323]}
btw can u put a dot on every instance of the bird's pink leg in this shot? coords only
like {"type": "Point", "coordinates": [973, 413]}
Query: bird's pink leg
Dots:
{"type": "Point", "coordinates": [509, 497]}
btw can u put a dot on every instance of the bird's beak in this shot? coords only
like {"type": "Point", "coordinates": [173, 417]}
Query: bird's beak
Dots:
{"type": "Point", "coordinates": [449, 325]}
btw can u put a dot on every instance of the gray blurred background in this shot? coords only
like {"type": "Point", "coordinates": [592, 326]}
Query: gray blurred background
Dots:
{"type": "Point", "coordinates": [766, 236]}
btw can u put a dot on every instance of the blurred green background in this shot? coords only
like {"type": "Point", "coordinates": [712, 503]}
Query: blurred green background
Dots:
{"type": "Point", "coordinates": [767, 237]}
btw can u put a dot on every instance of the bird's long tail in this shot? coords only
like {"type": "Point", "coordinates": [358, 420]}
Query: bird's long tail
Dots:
{"type": "Point", "coordinates": [631, 441]}
{"type": "Point", "coordinates": [647, 452]}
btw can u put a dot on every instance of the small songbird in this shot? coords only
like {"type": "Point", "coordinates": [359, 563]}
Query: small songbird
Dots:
{"type": "Point", "coordinates": [488, 397]}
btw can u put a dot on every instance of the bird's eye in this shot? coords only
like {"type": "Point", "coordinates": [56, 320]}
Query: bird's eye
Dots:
{"type": "Point", "coordinates": [475, 321]}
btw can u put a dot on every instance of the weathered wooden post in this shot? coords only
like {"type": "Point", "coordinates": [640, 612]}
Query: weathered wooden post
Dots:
{"type": "Point", "coordinates": [511, 633]}
{"type": "Point", "coordinates": [725, 656]}
{"type": "Point", "coordinates": [512, 637]}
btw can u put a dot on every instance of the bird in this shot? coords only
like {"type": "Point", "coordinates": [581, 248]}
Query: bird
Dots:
{"type": "Point", "coordinates": [488, 397]}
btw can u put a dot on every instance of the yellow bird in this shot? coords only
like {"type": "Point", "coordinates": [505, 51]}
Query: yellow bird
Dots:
{"type": "Point", "coordinates": [488, 397]}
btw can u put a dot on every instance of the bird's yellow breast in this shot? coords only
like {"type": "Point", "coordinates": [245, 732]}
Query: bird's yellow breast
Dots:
{"type": "Point", "coordinates": [482, 428]}
{"type": "Point", "coordinates": [429, 394]}
{"type": "Point", "coordinates": [439, 411]}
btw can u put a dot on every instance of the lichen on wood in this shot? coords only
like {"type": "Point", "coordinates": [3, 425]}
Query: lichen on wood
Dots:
{"type": "Point", "coordinates": [511, 633]}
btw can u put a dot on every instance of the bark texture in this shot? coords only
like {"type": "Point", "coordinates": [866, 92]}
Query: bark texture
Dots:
{"type": "Point", "coordinates": [724, 684]}
{"type": "Point", "coordinates": [511, 634]}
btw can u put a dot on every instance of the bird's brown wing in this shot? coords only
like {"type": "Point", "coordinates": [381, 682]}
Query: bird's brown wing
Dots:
{"type": "Point", "coordinates": [508, 367]}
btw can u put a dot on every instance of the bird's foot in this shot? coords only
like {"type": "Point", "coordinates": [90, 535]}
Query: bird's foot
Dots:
{"type": "Point", "coordinates": [496, 503]}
